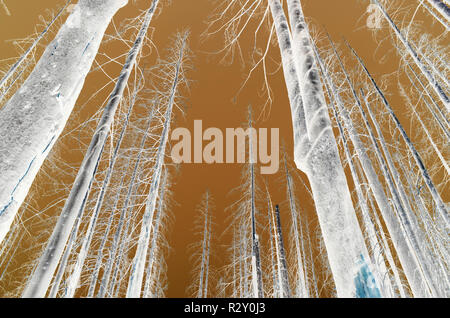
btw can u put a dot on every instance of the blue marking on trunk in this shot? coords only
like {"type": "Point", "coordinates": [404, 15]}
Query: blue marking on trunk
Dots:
{"type": "Point", "coordinates": [20, 180]}
{"type": "Point", "coordinates": [15, 188]}
{"type": "Point", "coordinates": [87, 46]}
{"type": "Point", "coordinates": [48, 145]}
{"type": "Point", "coordinates": [365, 284]}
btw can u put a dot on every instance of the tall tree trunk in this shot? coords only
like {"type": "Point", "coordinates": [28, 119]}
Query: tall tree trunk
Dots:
{"type": "Point", "coordinates": [274, 253]}
{"type": "Point", "coordinates": [311, 261]}
{"type": "Point", "coordinates": [282, 264]}
{"type": "Point", "coordinates": [138, 264]}
{"type": "Point", "coordinates": [123, 216]}
{"type": "Point", "coordinates": [440, 120]}
{"type": "Point", "coordinates": [403, 213]}
{"type": "Point", "coordinates": [62, 265]}
{"type": "Point", "coordinates": [27, 52]}
{"type": "Point", "coordinates": [441, 7]}
{"type": "Point", "coordinates": [425, 129]}
{"type": "Point", "coordinates": [155, 236]}
{"type": "Point", "coordinates": [381, 270]}
{"type": "Point", "coordinates": [385, 244]}
{"type": "Point", "coordinates": [440, 206]}
{"type": "Point", "coordinates": [35, 116]}
{"type": "Point", "coordinates": [439, 252]}
{"type": "Point", "coordinates": [103, 241]}
{"type": "Point", "coordinates": [38, 284]}
{"type": "Point", "coordinates": [256, 259]}
{"type": "Point", "coordinates": [207, 270]}
{"type": "Point", "coordinates": [436, 16]}
{"type": "Point", "coordinates": [317, 155]}
{"type": "Point", "coordinates": [414, 55]}
{"type": "Point", "coordinates": [424, 253]}
{"type": "Point", "coordinates": [74, 278]}
{"type": "Point", "coordinates": [205, 244]}
{"type": "Point", "coordinates": [301, 286]}
{"type": "Point", "coordinates": [392, 220]}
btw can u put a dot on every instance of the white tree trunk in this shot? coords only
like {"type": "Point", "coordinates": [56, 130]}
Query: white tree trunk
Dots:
{"type": "Point", "coordinates": [138, 264]}
{"type": "Point", "coordinates": [204, 248]}
{"type": "Point", "coordinates": [316, 153]}
{"type": "Point", "coordinates": [257, 282]}
{"type": "Point", "coordinates": [442, 121]}
{"type": "Point", "coordinates": [425, 129]}
{"type": "Point", "coordinates": [282, 264]}
{"type": "Point", "coordinates": [80, 190]}
{"type": "Point", "coordinates": [151, 279]}
{"type": "Point", "coordinates": [207, 270]}
{"type": "Point", "coordinates": [35, 116]}
{"type": "Point", "coordinates": [432, 80]}
{"type": "Point", "coordinates": [392, 219]}
{"type": "Point", "coordinates": [74, 278]}
{"type": "Point", "coordinates": [418, 287]}
{"type": "Point", "coordinates": [440, 206]}
{"type": "Point", "coordinates": [441, 7]}
{"type": "Point", "coordinates": [118, 233]}
{"type": "Point", "coordinates": [381, 270]}
{"type": "Point", "coordinates": [62, 265]}
{"type": "Point", "coordinates": [301, 285]}
{"type": "Point", "coordinates": [436, 16]}
{"type": "Point", "coordinates": [24, 56]}
{"type": "Point", "coordinates": [274, 253]}
{"type": "Point", "coordinates": [311, 260]}
{"type": "Point", "coordinates": [425, 258]}
{"type": "Point", "coordinates": [103, 241]}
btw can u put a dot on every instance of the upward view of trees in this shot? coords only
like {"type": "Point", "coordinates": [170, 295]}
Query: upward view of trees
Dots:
{"type": "Point", "coordinates": [358, 208]}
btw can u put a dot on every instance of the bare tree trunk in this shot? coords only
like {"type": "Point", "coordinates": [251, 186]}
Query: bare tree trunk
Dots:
{"type": "Point", "coordinates": [443, 126]}
{"type": "Point", "coordinates": [311, 260]}
{"type": "Point", "coordinates": [204, 246]}
{"type": "Point", "coordinates": [62, 265]}
{"type": "Point", "coordinates": [403, 212]}
{"type": "Point", "coordinates": [235, 285]}
{"type": "Point", "coordinates": [439, 252]}
{"type": "Point", "coordinates": [441, 7]}
{"type": "Point", "coordinates": [302, 290]}
{"type": "Point", "coordinates": [425, 129]}
{"type": "Point", "coordinates": [155, 235]}
{"type": "Point", "coordinates": [100, 250]}
{"type": "Point", "coordinates": [243, 260]}
{"type": "Point", "coordinates": [274, 253]}
{"type": "Point", "coordinates": [301, 140]}
{"type": "Point", "coordinates": [316, 153]}
{"type": "Point", "coordinates": [138, 264]}
{"type": "Point", "coordinates": [440, 206]}
{"type": "Point", "coordinates": [117, 235]}
{"type": "Point", "coordinates": [24, 56]}
{"type": "Point", "coordinates": [394, 221]}
{"type": "Point", "coordinates": [256, 260]}
{"type": "Point", "coordinates": [436, 86]}
{"type": "Point", "coordinates": [381, 270]}
{"type": "Point", "coordinates": [207, 270]}
{"type": "Point", "coordinates": [87, 239]}
{"type": "Point", "coordinates": [35, 116]}
{"type": "Point", "coordinates": [49, 260]}
{"type": "Point", "coordinates": [282, 265]}
{"type": "Point", "coordinates": [385, 243]}
{"type": "Point", "coordinates": [436, 16]}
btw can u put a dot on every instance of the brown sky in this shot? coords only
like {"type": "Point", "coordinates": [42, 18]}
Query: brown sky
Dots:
{"type": "Point", "coordinates": [210, 100]}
